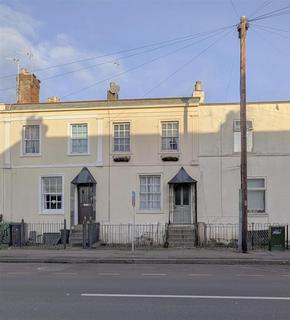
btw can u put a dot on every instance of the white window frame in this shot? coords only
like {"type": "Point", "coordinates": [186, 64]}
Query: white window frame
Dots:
{"type": "Point", "coordinates": [237, 136]}
{"type": "Point", "coordinates": [70, 152]}
{"type": "Point", "coordinates": [23, 144]}
{"type": "Point", "coordinates": [264, 189]}
{"type": "Point", "coordinates": [113, 137]}
{"type": "Point", "coordinates": [149, 210]}
{"type": "Point", "coordinates": [42, 210]}
{"type": "Point", "coordinates": [178, 137]}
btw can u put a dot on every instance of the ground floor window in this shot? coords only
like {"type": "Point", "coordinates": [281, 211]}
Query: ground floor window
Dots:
{"type": "Point", "coordinates": [150, 192]}
{"type": "Point", "coordinates": [51, 193]}
{"type": "Point", "coordinates": [256, 195]}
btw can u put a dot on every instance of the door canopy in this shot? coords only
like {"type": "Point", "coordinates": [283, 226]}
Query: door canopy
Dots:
{"type": "Point", "coordinates": [182, 177]}
{"type": "Point", "coordinates": [84, 177]}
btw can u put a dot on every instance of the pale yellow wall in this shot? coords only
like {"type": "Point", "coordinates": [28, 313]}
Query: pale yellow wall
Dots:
{"type": "Point", "coordinates": [115, 181]}
{"type": "Point", "coordinates": [206, 152]}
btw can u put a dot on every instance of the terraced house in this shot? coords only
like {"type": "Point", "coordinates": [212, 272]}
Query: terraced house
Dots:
{"type": "Point", "coordinates": [83, 159]}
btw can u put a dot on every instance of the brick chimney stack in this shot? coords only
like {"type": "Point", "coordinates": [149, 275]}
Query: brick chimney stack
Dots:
{"type": "Point", "coordinates": [27, 87]}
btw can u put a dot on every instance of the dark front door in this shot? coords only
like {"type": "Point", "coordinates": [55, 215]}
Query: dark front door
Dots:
{"type": "Point", "coordinates": [85, 200]}
{"type": "Point", "coordinates": [182, 203]}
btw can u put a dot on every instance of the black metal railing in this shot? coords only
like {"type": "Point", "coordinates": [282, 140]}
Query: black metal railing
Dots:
{"type": "Point", "coordinates": [227, 235]}
{"type": "Point", "coordinates": [143, 235]}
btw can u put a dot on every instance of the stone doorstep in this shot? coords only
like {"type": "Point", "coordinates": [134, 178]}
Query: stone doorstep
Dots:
{"type": "Point", "coordinates": [180, 239]}
{"type": "Point", "coordinates": [189, 233]}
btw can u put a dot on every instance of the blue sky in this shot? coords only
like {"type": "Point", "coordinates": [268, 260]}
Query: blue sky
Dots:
{"type": "Point", "coordinates": [61, 31]}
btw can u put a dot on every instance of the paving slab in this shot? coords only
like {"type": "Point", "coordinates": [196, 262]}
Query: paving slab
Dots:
{"type": "Point", "coordinates": [144, 256]}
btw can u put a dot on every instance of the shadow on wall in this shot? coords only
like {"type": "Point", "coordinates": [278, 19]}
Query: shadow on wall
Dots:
{"type": "Point", "coordinates": [217, 173]}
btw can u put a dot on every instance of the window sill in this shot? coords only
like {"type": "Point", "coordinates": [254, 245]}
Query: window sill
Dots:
{"type": "Point", "coordinates": [170, 156]}
{"type": "Point", "coordinates": [30, 155]}
{"type": "Point", "coordinates": [121, 153]}
{"type": "Point", "coordinates": [121, 156]}
{"type": "Point", "coordinates": [149, 212]}
{"type": "Point", "coordinates": [169, 152]}
{"type": "Point", "coordinates": [78, 154]}
{"type": "Point", "coordinates": [236, 153]}
{"type": "Point", "coordinates": [51, 212]}
{"type": "Point", "coordinates": [258, 214]}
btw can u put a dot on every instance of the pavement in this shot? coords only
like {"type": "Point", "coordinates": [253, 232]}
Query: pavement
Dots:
{"type": "Point", "coordinates": [143, 256]}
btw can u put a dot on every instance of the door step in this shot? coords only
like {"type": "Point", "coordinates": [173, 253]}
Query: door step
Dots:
{"type": "Point", "coordinates": [181, 236]}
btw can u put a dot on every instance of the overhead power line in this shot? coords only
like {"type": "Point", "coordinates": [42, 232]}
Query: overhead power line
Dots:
{"type": "Point", "coordinates": [235, 9]}
{"type": "Point", "coordinates": [274, 13]}
{"type": "Point", "coordinates": [136, 67]}
{"type": "Point", "coordinates": [271, 44]}
{"type": "Point", "coordinates": [125, 50]}
{"type": "Point", "coordinates": [272, 31]}
{"type": "Point", "coordinates": [184, 65]}
{"type": "Point", "coordinates": [125, 57]}
{"type": "Point", "coordinates": [261, 7]}
{"type": "Point", "coordinates": [271, 28]}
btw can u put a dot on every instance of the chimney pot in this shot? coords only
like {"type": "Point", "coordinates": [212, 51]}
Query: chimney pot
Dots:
{"type": "Point", "coordinates": [113, 92]}
{"type": "Point", "coordinates": [198, 92]}
{"type": "Point", "coordinates": [53, 99]}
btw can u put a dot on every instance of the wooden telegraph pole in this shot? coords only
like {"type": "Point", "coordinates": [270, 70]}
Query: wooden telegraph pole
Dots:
{"type": "Point", "coordinates": [242, 29]}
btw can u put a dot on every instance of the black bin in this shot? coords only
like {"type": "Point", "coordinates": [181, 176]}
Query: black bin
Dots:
{"type": "Point", "coordinates": [277, 238]}
{"type": "Point", "coordinates": [16, 234]}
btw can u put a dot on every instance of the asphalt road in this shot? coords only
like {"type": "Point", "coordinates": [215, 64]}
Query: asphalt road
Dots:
{"type": "Point", "coordinates": [96, 291]}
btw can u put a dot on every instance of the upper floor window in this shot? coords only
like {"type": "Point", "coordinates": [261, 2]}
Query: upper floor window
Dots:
{"type": "Point", "coordinates": [51, 193]}
{"type": "Point", "coordinates": [79, 138]}
{"type": "Point", "coordinates": [31, 139]}
{"type": "Point", "coordinates": [150, 192]}
{"type": "Point", "coordinates": [237, 136]}
{"type": "Point", "coordinates": [256, 195]}
{"type": "Point", "coordinates": [121, 137]}
{"type": "Point", "coordinates": [169, 136]}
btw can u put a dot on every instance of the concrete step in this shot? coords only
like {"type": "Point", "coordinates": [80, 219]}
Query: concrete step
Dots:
{"type": "Point", "coordinates": [181, 226]}
{"type": "Point", "coordinates": [180, 233]}
{"type": "Point", "coordinates": [180, 229]}
{"type": "Point", "coordinates": [77, 227]}
{"type": "Point", "coordinates": [181, 238]}
{"type": "Point", "coordinates": [76, 234]}
{"type": "Point", "coordinates": [181, 245]}
{"type": "Point", "coordinates": [76, 237]}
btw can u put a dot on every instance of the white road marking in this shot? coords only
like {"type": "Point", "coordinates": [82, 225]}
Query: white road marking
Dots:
{"type": "Point", "coordinates": [108, 274]}
{"type": "Point", "coordinates": [167, 296]}
{"type": "Point", "coordinates": [250, 275]}
{"type": "Point", "coordinates": [65, 273]}
{"type": "Point", "coordinates": [154, 274]}
{"type": "Point", "coordinates": [285, 275]}
{"type": "Point", "coordinates": [18, 273]}
{"type": "Point", "coordinates": [199, 274]}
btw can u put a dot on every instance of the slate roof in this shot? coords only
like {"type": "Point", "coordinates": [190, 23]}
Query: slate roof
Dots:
{"type": "Point", "coordinates": [182, 177]}
{"type": "Point", "coordinates": [84, 177]}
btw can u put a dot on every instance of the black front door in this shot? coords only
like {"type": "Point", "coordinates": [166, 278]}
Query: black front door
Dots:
{"type": "Point", "coordinates": [85, 200]}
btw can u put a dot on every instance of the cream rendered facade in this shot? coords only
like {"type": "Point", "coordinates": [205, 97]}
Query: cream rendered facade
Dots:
{"type": "Point", "coordinates": [205, 150]}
